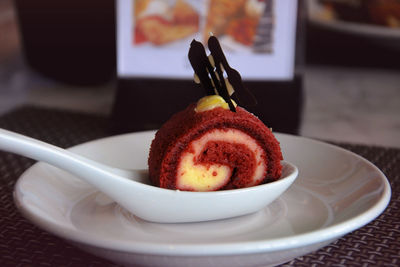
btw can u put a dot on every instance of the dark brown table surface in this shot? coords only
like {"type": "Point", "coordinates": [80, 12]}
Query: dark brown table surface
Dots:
{"type": "Point", "coordinates": [23, 244]}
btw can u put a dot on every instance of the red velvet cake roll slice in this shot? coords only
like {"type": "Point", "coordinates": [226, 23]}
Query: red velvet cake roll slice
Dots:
{"type": "Point", "coordinates": [214, 144]}
{"type": "Point", "coordinates": [208, 149]}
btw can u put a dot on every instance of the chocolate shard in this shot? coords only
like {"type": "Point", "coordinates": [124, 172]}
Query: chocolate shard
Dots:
{"type": "Point", "coordinates": [242, 94]}
{"type": "Point", "coordinates": [204, 70]}
{"type": "Point", "coordinates": [198, 59]}
{"type": "Point", "coordinates": [212, 77]}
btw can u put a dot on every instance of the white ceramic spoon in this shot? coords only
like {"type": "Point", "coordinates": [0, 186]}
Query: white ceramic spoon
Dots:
{"type": "Point", "coordinates": [129, 188]}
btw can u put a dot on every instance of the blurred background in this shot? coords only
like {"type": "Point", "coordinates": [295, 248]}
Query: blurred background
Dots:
{"type": "Point", "coordinates": [349, 64]}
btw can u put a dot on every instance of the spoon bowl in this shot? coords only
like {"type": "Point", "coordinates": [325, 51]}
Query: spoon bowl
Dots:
{"type": "Point", "coordinates": [129, 188]}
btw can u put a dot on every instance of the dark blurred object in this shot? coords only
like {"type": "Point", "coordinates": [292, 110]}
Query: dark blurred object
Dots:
{"type": "Point", "coordinates": [353, 10]}
{"type": "Point", "coordinates": [144, 104]}
{"type": "Point", "coordinates": [329, 46]}
{"type": "Point", "coordinates": [72, 41]}
{"type": "Point", "coordinates": [9, 41]}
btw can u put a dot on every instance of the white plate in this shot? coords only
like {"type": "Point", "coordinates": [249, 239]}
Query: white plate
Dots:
{"type": "Point", "coordinates": [374, 32]}
{"type": "Point", "coordinates": [336, 192]}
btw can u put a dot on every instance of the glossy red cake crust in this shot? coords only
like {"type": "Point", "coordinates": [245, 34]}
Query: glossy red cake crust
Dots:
{"type": "Point", "coordinates": [185, 126]}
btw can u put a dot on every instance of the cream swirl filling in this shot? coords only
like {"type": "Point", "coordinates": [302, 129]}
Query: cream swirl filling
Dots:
{"type": "Point", "coordinates": [192, 175]}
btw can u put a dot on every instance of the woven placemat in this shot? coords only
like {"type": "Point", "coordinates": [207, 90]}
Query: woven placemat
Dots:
{"type": "Point", "coordinates": [23, 244]}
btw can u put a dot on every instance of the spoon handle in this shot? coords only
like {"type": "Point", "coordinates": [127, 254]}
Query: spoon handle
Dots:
{"type": "Point", "coordinates": [87, 169]}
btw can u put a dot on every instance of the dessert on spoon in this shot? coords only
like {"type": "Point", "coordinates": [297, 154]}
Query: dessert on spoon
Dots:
{"type": "Point", "coordinates": [213, 160]}
{"type": "Point", "coordinates": [214, 144]}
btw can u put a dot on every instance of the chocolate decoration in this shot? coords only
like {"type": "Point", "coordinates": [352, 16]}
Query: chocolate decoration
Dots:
{"type": "Point", "coordinates": [203, 68]}
{"type": "Point", "coordinates": [199, 60]}
{"type": "Point", "coordinates": [222, 88]}
{"type": "Point", "coordinates": [243, 95]}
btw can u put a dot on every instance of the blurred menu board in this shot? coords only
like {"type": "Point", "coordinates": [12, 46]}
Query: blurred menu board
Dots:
{"type": "Point", "coordinates": [258, 36]}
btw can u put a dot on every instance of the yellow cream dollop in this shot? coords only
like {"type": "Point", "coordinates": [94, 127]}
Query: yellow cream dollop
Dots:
{"type": "Point", "coordinates": [211, 102]}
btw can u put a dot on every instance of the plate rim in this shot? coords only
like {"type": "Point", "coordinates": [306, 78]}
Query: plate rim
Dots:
{"type": "Point", "coordinates": [324, 234]}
